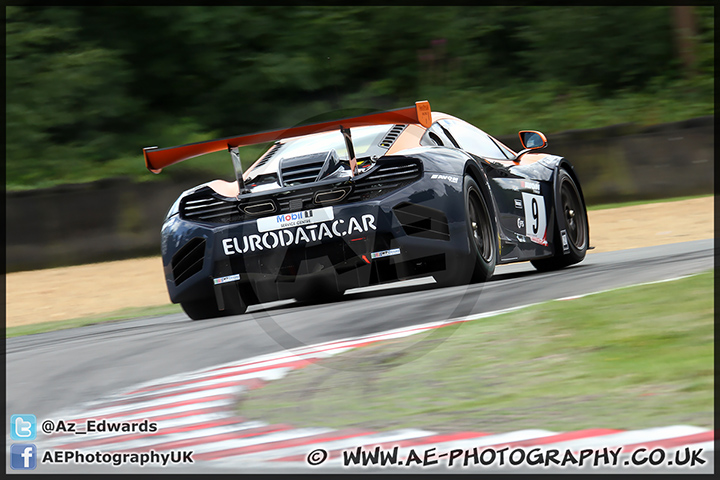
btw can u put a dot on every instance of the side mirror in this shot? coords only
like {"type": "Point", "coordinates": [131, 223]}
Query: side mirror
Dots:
{"type": "Point", "coordinates": [532, 139]}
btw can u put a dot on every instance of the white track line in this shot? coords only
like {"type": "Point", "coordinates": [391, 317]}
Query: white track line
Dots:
{"type": "Point", "coordinates": [148, 442]}
{"type": "Point", "coordinates": [140, 406]}
{"type": "Point", "coordinates": [291, 434]}
{"type": "Point", "coordinates": [706, 446]}
{"type": "Point", "coordinates": [172, 410]}
{"type": "Point", "coordinates": [266, 375]}
{"type": "Point", "coordinates": [350, 442]}
{"type": "Point", "coordinates": [628, 438]}
{"type": "Point", "coordinates": [573, 297]}
{"type": "Point", "coordinates": [145, 401]}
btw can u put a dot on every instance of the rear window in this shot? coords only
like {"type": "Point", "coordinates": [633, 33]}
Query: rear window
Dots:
{"type": "Point", "coordinates": [459, 134]}
{"type": "Point", "coordinates": [365, 140]}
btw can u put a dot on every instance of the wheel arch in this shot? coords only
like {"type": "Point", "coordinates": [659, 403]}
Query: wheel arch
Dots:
{"type": "Point", "coordinates": [564, 163]}
{"type": "Point", "coordinates": [478, 174]}
{"type": "Point", "coordinates": [568, 167]}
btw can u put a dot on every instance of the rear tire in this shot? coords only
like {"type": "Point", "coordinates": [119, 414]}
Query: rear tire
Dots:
{"type": "Point", "coordinates": [576, 227]}
{"type": "Point", "coordinates": [207, 307]}
{"type": "Point", "coordinates": [481, 237]}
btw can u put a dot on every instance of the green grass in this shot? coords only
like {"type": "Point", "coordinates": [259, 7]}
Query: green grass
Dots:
{"type": "Point", "coordinates": [548, 106]}
{"type": "Point", "coordinates": [117, 315]}
{"type": "Point", "coordinates": [606, 206]}
{"type": "Point", "coordinates": [631, 358]}
{"type": "Point", "coordinates": [553, 107]}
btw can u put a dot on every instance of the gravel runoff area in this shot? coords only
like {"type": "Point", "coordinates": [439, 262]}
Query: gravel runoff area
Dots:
{"type": "Point", "coordinates": [85, 290]}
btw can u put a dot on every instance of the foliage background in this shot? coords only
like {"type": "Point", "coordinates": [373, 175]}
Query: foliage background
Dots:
{"type": "Point", "coordinates": [88, 87]}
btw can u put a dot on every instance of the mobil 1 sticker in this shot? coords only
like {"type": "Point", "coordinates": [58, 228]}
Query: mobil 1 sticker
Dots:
{"type": "Point", "coordinates": [535, 218]}
{"type": "Point", "coordinates": [295, 219]}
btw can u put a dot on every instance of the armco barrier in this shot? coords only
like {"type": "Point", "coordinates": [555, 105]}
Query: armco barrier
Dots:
{"type": "Point", "coordinates": [116, 218]}
{"type": "Point", "coordinates": [629, 162]}
{"type": "Point", "coordinates": [106, 220]}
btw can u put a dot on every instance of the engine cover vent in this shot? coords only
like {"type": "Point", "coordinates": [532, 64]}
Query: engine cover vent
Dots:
{"type": "Point", "coordinates": [268, 155]}
{"type": "Point", "coordinates": [207, 206]}
{"type": "Point", "coordinates": [303, 169]}
{"type": "Point", "coordinates": [384, 179]}
{"type": "Point", "coordinates": [392, 135]}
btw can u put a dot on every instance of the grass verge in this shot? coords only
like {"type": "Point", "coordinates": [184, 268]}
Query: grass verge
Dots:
{"type": "Point", "coordinates": [136, 312]}
{"type": "Point", "coordinates": [117, 315]}
{"type": "Point", "coordinates": [607, 206]}
{"type": "Point", "coordinates": [632, 358]}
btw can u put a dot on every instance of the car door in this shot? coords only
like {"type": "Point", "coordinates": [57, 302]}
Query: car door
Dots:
{"type": "Point", "coordinates": [522, 207]}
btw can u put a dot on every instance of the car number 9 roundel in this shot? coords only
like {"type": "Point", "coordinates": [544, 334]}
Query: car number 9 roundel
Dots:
{"type": "Point", "coordinates": [535, 218]}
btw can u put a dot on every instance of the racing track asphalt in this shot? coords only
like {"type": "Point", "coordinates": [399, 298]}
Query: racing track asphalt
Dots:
{"type": "Point", "coordinates": [52, 371]}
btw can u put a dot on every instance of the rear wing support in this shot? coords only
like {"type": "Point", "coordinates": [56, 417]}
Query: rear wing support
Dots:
{"type": "Point", "coordinates": [158, 158]}
{"type": "Point", "coordinates": [237, 166]}
{"type": "Point", "coordinates": [351, 150]}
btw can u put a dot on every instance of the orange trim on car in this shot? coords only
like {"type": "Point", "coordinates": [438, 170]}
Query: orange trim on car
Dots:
{"type": "Point", "coordinates": [424, 115]}
{"type": "Point", "coordinates": [409, 138]}
{"type": "Point", "coordinates": [158, 158]}
{"type": "Point", "coordinates": [226, 189]}
{"type": "Point", "coordinates": [542, 135]}
{"type": "Point", "coordinates": [529, 158]}
{"type": "Point", "coordinates": [525, 159]}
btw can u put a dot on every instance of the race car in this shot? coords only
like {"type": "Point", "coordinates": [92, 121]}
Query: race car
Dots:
{"type": "Point", "coordinates": [359, 201]}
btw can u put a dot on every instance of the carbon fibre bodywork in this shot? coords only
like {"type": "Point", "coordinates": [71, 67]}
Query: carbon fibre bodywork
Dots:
{"type": "Point", "coordinates": [403, 215]}
{"type": "Point", "coordinates": [274, 261]}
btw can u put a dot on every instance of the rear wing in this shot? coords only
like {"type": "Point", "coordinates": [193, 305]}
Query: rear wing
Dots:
{"type": "Point", "coordinates": [158, 158]}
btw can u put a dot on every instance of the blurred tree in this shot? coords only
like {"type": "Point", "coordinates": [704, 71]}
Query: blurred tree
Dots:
{"type": "Point", "coordinates": [488, 44]}
{"type": "Point", "coordinates": [88, 83]}
{"type": "Point", "coordinates": [60, 91]}
{"type": "Point", "coordinates": [705, 44]}
{"type": "Point", "coordinates": [685, 34]}
{"type": "Point", "coordinates": [608, 47]}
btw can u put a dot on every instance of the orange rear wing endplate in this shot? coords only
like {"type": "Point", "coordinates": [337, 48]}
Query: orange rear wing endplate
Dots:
{"type": "Point", "coordinates": [158, 158]}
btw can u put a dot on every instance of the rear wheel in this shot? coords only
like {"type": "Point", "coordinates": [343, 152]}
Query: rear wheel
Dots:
{"type": "Point", "coordinates": [481, 238]}
{"type": "Point", "coordinates": [576, 227]}
{"type": "Point", "coordinates": [207, 307]}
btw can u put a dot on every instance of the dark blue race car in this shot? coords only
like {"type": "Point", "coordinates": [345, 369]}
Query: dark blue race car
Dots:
{"type": "Point", "coordinates": [365, 200]}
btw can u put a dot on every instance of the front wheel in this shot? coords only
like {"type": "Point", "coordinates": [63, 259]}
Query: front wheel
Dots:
{"type": "Point", "coordinates": [576, 227]}
{"type": "Point", "coordinates": [481, 237]}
